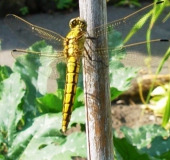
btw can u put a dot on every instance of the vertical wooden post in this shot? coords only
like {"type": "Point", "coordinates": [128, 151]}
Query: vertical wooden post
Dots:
{"type": "Point", "coordinates": [96, 85]}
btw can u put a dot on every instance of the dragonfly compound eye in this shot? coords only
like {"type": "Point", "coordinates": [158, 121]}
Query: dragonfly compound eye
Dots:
{"type": "Point", "coordinates": [73, 23]}
{"type": "Point", "coordinates": [77, 22]}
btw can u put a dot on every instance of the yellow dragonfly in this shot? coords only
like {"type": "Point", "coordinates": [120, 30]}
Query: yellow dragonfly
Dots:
{"type": "Point", "coordinates": [71, 48]}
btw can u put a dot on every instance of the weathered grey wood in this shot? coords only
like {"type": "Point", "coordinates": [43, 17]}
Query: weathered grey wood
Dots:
{"type": "Point", "coordinates": [96, 85]}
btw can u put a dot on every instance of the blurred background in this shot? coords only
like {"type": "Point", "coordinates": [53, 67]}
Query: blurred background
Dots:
{"type": "Point", "coordinates": [24, 7]}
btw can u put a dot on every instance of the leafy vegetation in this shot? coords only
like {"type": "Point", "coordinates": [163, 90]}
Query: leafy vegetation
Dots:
{"type": "Point", "coordinates": [30, 7]}
{"type": "Point", "coordinates": [24, 11]}
{"type": "Point", "coordinates": [142, 143]}
{"type": "Point", "coordinates": [30, 118]}
{"type": "Point", "coordinates": [160, 102]}
{"type": "Point", "coordinates": [24, 131]}
{"type": "Point", "coordinates": [130, 3]}
{"type": "Point", "coordinates": [60, 4]}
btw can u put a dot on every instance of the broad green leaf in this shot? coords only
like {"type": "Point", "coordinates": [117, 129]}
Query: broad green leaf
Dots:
{"type": "Point", "coordinates": [49, 103]}
{"type": "Point", "coordinates": [59, 93]}
{"type": "Point", "coordinates": [2, 157]}
{"type": "Point", "coordinates": [33, 74]}
{"type": "Point", "coordinates": [47, 125]}
{"type": "Point", "coordinates": [127, 151]}
{"type": "Point", "coordinates": [143, 136]}
{"type": "Point", "coordinates": [61, 4]}
{"type": "Point", "coordinates": [114, 93]}
{"type": "Point", "coordinates": [75, 145]}
{"type": "Point", "coordinates": [5, 72]}
{"type": "Point", "coordinates": [34, 68]}
{"type": "Point", "coordinates": [165, 155]}
{"type": "Point", "coordinates": [158, 147]}
{"type": "Point", "coordinates": [120, 80]}
{"type": "Point", "coordinates": [66, 156]}
{"type": "Point", "coordinates": [115, 41]}
{"type": "Point", "coordinates": [11, 94]}
{"type": "Point", "coordinates": [61, 68]}
{"type": "Point", "coordinates": [120, 76]}
{"type": "Point", "coordinates": [79, 98]}
{"type": "Point", "coordinates": [50, 145]}
{"type": "Point", "coordinates": [118, 73]}
{"type": "Point", "coordinates": [78, 116]}
{"type": "Point", "coordinates": [54, 102]}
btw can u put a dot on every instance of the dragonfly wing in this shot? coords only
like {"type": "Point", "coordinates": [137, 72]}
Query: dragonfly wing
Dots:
{"type": "Point", "coordinates": [138, 22]}
{"type": "Point", "coordinates": [45, 63]}
{"type": "Point", "coordinates": [142, 54]}
{"type": "Point", "coordinates": [29, 33]}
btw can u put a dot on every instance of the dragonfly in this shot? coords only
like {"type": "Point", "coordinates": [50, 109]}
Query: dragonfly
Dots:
{"type": "Point", "coordinates": [71, 49]}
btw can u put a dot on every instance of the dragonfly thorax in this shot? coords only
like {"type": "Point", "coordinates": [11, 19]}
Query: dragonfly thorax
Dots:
{"type": "Point", "coordinates": [75, 39]}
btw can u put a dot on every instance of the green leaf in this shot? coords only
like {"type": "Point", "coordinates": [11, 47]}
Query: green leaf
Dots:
{"type": "Point", "coordinates": [61, 69]}
{"type": "Point", "coordinates": [5, 72]}
{"type": "Point", "coordinates": [34, 71]}
{"type": "Point", "coordinates": [44, 140]}
{"type": "Point", "coordinates": [79, 98]}
{"type": "Point", "coordinates": [127, 151]}
{"type": "Point", "coordinates": [54, 102]}
{"type": "Point", "coordinates": [2, 157]}
{"type": "Point", "coordinates": [118, 73]}
{"type": "Point", "coordinates": [78, 116]}
{"type": "Point", "coordinates": [115, 41]}
{"type": "Point", "coordinates": [141, 137]}
{"type": "Point", "coordinates": [45, 128]}
{"type": "Point", "coordinates": [49, 103]}
{"type": "Point", "coordinates": [11, 94]}
{"type": "Point", "coordinates": [120, 76]}
{"type": "Point", "coordinates": [114, 93]}
{"type": "Point", "coordinates": [61, 4]}
{"type": "Point", "coordinates": [120, 79]}
{"type": "Point", "coordinates": [165, 155]}
{"type": "Point", "coordinates": [137, 4]}
{"type": "Point", "coordinates": [75, 145]}
{"type": "Point", "coordinates": [158, 147]}
{"type": "Point", "coordinates": [35, 68]}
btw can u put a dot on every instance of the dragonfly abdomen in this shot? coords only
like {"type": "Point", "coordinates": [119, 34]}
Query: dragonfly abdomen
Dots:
{"type": "Point", "coordinates": [73, 50]}
{"type": "Point", "coordinates": [73, 67]}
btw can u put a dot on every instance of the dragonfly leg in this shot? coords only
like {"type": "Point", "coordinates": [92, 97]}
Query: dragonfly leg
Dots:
{"type": "Point", "coordinates": [95, 60]}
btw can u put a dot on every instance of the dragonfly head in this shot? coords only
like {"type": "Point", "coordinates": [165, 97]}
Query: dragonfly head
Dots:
{"type": "Point", "coordinates": [78, 23]}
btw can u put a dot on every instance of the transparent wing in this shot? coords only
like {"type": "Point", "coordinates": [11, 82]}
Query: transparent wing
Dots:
{"type": "Point", "coordinates": [136, 25]}
{"type": "Point", "coordinates": [144, 55]}
{"type": "Point", "coordinates": [29, 33]}
{"type": "Point", "coordinates": [44, 63]}
{"type": "Point", "coordinates": [128, 41]}
{"type": "Point", "coordinates": [40, 55]}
